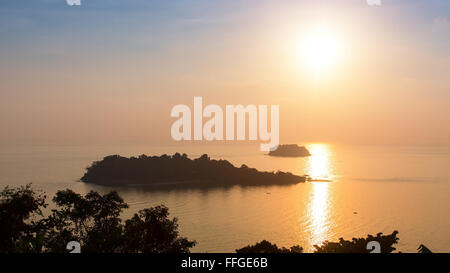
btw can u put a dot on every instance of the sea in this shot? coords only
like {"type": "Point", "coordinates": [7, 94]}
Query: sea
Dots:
{"type": "Point", "coordinates": [361, 190]}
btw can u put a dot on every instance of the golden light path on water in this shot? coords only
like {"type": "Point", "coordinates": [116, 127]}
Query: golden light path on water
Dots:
{"type": "Point", "coordinates": [319, 167]}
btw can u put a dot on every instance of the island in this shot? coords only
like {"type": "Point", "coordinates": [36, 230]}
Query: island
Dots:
{"type": "Point", "coordinates": [178, 169]}
{"type": "Point", "coordinates": [290, 150]}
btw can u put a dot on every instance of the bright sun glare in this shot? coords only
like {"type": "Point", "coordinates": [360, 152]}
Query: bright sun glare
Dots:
{"type": "Point", "coordinates": [320, 50]}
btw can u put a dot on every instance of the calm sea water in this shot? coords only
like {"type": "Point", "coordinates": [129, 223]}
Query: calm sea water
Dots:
{"type": "Point", "coordinates": [373, 189]}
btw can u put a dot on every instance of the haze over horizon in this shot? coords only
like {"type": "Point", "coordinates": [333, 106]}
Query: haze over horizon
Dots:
{"type": "Point", "coordinates": [110, 71]}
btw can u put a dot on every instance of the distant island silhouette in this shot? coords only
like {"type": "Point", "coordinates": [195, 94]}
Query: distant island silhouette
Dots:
{"type": "Point", "coordinates": [178, 169]}
{"type": "Point", "coordinates": [290, 150]}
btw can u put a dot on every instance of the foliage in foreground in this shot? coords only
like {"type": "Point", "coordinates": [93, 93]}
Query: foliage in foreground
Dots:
{"type": "Point", "coordinates": [356, 245]}
{"type": "Point", "coordinates": [359, 245]}
{"type": "Point", "coordinates": [266, 247]}
{"type": "Point", "coordinates": [92, 220]}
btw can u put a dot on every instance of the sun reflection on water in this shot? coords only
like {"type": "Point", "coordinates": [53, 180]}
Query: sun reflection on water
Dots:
{"type": "Point", "coordinates": [319, 167]}
{"type": "Point", "coordinates": [319, 163]}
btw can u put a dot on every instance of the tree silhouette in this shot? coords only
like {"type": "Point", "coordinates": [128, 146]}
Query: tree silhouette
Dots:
{"type": "Point", "coordinates": [266, 247]}
{"type": "Point", "coordinates": [356, 245]}
{"type": "Point", "coordinates": [151, 231]}
{"type": "Point", "coordinates": [359, 245]}
{"type": "Point", "coordinates": [92, 220]}
{"type": "Point", "coordinates": [19, 231]}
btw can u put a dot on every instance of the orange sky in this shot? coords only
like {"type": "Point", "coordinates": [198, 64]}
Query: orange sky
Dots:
{"type": "Point", "coordinates": [114, 76]}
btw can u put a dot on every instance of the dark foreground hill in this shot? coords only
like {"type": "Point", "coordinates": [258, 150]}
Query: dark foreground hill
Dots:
{"type": "Point", "coordinates": [179, 169]}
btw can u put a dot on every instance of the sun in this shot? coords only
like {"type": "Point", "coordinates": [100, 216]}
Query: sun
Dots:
{"type": "Point", "coordinates": [320, 50]}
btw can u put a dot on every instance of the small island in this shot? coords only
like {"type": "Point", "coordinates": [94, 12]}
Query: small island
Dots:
{"type": "Point", "coordinates": [180, 170]}
{"type": "Point", "coordinates": [290, 150]}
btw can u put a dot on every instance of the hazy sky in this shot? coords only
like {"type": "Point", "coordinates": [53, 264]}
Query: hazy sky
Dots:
{"type": "Point", "coordinates": [111, 70]}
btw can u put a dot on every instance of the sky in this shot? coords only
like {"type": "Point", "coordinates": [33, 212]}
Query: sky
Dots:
{"type": "Point", "coordinates": [110, 71]}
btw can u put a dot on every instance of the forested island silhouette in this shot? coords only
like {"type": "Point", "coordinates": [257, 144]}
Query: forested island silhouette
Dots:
{"type": "Point", "coordinates": [179, 169]}
{"type": "Point", "coordinates": [290, 150]}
